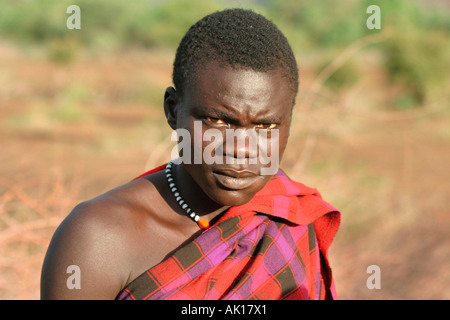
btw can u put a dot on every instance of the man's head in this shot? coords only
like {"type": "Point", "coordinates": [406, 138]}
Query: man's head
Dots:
{"type": "Point", "coordinates": [236, 73]}
{"type": "Point", "coordinates": [236, 37]}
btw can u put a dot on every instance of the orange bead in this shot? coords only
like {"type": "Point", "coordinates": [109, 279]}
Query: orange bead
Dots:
{"type": "Point", "coordinates": [203, 224]}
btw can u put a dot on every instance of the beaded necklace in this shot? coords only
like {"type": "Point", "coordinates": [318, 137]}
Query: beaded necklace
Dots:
{"type": "Point", "coordinates": [202, 223]}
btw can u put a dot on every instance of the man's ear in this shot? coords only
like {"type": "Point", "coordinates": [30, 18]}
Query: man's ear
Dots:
{"type": "Point", "coordinates": [171, 101]}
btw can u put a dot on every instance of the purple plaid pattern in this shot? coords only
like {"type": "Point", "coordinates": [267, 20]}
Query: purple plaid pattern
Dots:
{"type": "Point", "coordinates": [255, 251]}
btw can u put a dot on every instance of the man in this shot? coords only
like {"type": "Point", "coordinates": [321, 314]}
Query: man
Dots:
{"type": "Point", "coordinates": [253, 234]}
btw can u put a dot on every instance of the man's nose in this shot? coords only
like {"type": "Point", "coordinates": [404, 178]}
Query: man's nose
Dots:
{"type": "Point", "coordinates": [241, 143]}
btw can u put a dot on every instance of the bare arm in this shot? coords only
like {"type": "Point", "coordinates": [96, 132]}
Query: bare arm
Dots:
{"type": "Point", "coordinates": [87, 258]}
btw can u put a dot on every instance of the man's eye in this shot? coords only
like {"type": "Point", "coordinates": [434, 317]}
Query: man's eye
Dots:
{"type": "Point", "coordinates": [214, 121]}
{"type": "Point", "coordinates": [266, 126]}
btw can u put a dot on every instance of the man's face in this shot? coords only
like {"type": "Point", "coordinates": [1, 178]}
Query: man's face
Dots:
{"type": "Point", "coordinates": [222, 100]}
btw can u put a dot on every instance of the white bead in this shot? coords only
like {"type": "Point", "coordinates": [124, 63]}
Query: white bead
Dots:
{"type": "Point", "coordinates": [177, 195]}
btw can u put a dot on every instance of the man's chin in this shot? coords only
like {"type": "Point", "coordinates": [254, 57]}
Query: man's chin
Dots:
{"type": "Point", "coordinates": [232, 198]}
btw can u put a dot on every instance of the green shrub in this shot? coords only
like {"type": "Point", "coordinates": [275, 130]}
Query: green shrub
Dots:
{"type": "Point", "coordinates": [344, 77]}
{"type": "Point", "coordinates": [416, 54]}
{"type": "Point", "coordinates": [417, 51]}
{"type": "Point", "coordinates": [418, 60]}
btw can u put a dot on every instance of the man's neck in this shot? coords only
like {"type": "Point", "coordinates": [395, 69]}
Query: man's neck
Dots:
{"type": "Point", "coordinates": [194, 196]}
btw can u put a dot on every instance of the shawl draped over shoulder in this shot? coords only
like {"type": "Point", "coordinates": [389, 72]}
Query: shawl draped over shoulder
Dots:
{"type": "Point", "coordinates": [273, 247]}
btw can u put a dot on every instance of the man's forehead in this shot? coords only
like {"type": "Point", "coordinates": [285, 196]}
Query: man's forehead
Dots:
{"type": "Point", "coordinates": [217, 69]}
{"type": "Point", "coordinates": [236, 84]}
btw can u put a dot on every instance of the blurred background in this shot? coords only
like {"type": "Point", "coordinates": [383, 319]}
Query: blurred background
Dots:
{"type": "Point", "coordinates": [81, 113]}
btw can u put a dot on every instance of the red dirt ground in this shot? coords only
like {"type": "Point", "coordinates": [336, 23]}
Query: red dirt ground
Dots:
{"type": "Point", "coordinates": [70, 132]}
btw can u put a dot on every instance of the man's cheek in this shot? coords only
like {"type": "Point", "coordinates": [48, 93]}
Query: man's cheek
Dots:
{"type": "Point", "coordinates": [269, 151]}
{"type": "Point", "coordinates": [212, 146]}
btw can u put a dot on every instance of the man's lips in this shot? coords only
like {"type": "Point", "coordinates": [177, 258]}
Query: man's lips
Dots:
{"type": "Point", "coordinates": [235, 179]}
{"type": "Point", "coordinates": [236, 173]}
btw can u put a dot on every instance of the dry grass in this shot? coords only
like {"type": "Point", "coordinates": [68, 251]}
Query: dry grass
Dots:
{"type": "Point", "coordinates": [71, 132]}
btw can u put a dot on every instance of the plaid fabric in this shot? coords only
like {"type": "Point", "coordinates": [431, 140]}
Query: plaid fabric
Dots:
{"type": "Point", "coordinates": [273, 247]}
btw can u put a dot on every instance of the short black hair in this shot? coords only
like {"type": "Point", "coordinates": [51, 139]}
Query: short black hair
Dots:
{"type": "Point", "coordinates": [239, 38]}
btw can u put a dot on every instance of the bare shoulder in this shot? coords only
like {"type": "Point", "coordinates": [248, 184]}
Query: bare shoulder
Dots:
{"type": "Point", "coordinates": [99, 237]}
{"type": "Point", "coordinates": [117, 211]}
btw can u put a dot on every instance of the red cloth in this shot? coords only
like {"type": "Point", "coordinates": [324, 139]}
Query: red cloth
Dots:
{"type": "Point", "coordinates": [273, 247]}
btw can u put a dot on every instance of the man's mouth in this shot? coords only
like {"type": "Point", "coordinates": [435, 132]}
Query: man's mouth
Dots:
{"type": "Point", "coordinates": [235, 179]}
